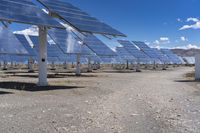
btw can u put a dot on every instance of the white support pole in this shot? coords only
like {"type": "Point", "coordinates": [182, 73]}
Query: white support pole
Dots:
{"type": "Point", "coordinates": [43, 57]}
{"type": "Point", "coordinates": [138, 66]}
{"type": "Point", "coordinates": [89, 65]}
{"type": "Point", "coordinates": [30, 65]}
{"type": "Point", "coordinates": [197, 67]}
{"type": "Point", "coordinates": [78, 65]}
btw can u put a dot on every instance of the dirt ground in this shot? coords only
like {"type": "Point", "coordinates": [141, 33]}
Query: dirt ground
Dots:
{"type": "Point", "coordinates": [147, 102]}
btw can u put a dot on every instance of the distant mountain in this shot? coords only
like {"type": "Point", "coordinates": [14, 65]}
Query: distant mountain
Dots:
{"type": "Point", "coordinates": [186, 52]}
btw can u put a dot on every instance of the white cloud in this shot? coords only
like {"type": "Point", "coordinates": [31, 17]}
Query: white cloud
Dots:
{"type": "Point", "coordinates": [33, 30]}
{"type": "Point", "coordinates": [193, 19]}
{"type": "Point", "coordinates": [162, 40]}
{"type": "Point", "coordinates": [183, 39]}
{"type": "Point", "coordinates": [148, 43]}
{"type": "Point", "coordinates": [156, 42]}
{"type": "Point", "coordinates": [179, 20]}
{"type": "Point", "coordinates": [196, 24]}
{"type": "Point", "coordinates": [189, 46]}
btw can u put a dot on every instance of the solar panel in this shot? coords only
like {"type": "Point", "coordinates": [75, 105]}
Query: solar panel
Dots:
{"type": "Point", "coordinates": [133, 50]}
{"type": "Point", "coordinates": [124, 54]}
{"type": "Point", "coordinates": [71, 45]}
{"type": "Point", "coordinates": [164, 58]}
{"type": "Point", "coordinates": [189, 60]}
{"type": "Point", "coordinates": [53, 52]}
{"type": "Point", "coordinates": [32, 52]}
{"type": "Point", "coordinates": [78, 19]}
{"type": "Point", "coordinates": [5, 57]}
{"type": "Point", "coordinates": [24, 11]}
{"type": "Point", "coordinates": [97, 46]}
{"type": "Point", "coordinates": [149, 51]}
{"type": "Point", "coordinates": [182, 60]}
{"type": "Point", "coordinates": [173, 57]}
{"type": "Point", "coordinates": [65, 41]}
{"type": "Point", "coordinates": [9, 44]}
{"type": "Point", "coordinates": [18, 58]}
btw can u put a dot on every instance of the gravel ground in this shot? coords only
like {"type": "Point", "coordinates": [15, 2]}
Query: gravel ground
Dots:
{"type": "Point", "coordinates": [147, 102]}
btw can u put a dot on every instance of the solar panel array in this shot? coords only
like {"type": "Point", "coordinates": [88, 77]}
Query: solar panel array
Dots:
{"type": "Point", "coordinates": [24, 11]}
{"type": "Point", "coordinates": [65, 41]}
{"type": "Point", "coordinates": [173, 57]}
{"type": "Point", "coordinates": [124, 54]}
{"type": "Point", "coordinates": [77, 18]}
{"type": "Point", "coordinates": [133, 50]}
{"type": "Point", "coordinates": [97, 46]}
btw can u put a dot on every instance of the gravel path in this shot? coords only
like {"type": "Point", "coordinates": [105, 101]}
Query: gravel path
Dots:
{"type": "Point", "coordinates": [147, 102]}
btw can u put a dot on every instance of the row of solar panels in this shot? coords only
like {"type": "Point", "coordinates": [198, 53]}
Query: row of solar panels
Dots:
{"type": "Point", "coordinates": [62, 46]}
{"type": "Point", "coordinates": [142, 53]}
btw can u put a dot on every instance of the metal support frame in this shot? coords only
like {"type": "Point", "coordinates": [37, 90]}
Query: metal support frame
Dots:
{"type": "Point", "coordinates": [154, 65]}
{"type": "Point", "coordinates": [5, 65]}
{"type": "Point", "coordinates": [65, 65]}
{"type": "Point", "coordinates": [164, 66]}
{"type": "Point", "coordinates": [30, 65]}
{"type": "Point", "coordinates": [11, 64]}
{"type": "Point", "coordinates": [78, 65]}
{"type": "Point", "coordinates": [43, 57]}
{"type": "Point", "coordinates": [138, 66]}
{"type": "Point", "coordinates": [127, 64]}
{"type": "Point", "coordinates": [132, 66]}
{"type": "Point", "coordinates": [53, 65]}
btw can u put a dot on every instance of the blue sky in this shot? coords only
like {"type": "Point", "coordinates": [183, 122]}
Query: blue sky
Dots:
{"type": "Point", "coordinates": [156, 22]}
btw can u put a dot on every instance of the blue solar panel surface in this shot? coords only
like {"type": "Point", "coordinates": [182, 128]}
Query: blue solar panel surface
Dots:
{"type": "Point", "coordinates": [78, 19]}
{"type": "Point", "coordinates": [148, 51]}
{"type": "Point", "coordinates": [65, 41]}
{"type": "Point", "coordinates": [24, 11]}
{"type": "Point", "coordinates": [9, 44]}
{"type": "Point", "coordinates": [124, 54]}
{"type": "Point", "coordinates": [133, 50]}
{"type": "Point", "coordinates": [97, 46]}
{"type": "Point", "coordinates": [173, 57]}
{"type": "Point", "coordinates": [32, 52]}
{"type": "Point", "coordinates": [164, 58]}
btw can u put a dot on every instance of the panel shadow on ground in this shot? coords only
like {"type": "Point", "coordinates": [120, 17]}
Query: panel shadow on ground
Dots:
{"type": "Point", "coordinates": [5, 92]}
{"type": "Point", "coordinates": [22, 86]}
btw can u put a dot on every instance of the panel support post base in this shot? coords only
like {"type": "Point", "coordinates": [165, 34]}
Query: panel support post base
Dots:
{"type": "Point", "coordinates": [78, 66]}
{"type": "Point", "coordinates": [197, 67]}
